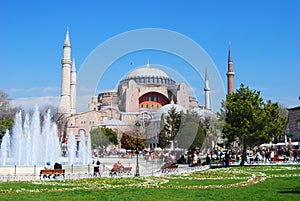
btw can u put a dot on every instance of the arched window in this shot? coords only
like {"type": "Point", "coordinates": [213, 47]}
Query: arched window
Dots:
{"type": "Point", "coordinates": [298, 125]}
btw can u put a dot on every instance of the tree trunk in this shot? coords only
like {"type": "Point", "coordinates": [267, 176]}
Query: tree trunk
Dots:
{"type": "Point", "coordinates": [243, 155]}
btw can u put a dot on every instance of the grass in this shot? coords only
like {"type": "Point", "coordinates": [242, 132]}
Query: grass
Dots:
{"type": "Point", "coordinates": [238, 183]}
{"type": "Point", "coordinates": [187, 183]}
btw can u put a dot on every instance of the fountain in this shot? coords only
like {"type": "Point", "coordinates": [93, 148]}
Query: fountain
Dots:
{"type": "Point", "coordinates": [72, 149]}
{"type": "Point", "coordinates": [4, 148]}
{"type": "Point", "coordinates": [84, 149]}
{"type": "Point", "coordinates": [32, 143]}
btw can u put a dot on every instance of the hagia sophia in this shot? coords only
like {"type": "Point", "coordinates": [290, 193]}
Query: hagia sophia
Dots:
{"type": "Point", "coordinates": [143, 95]}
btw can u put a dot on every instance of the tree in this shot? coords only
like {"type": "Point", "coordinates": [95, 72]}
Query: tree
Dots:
{"type": "Point", "coordinates": [191, 134]}
{"type": "Point", "coordinates": [6, 124]}
{"type": "Point", "coordinates": [130, 142]}
{"type": "Point", "coordinates": [102, 137]}
{"type": "Point", "coordinates": [7, 113]}
{"type": "Point", "coordinates": [249, 121]}
{"type": "Point", "coordinates": [4, 106]}
{"type": "Point", "coordinates": [170, 125]}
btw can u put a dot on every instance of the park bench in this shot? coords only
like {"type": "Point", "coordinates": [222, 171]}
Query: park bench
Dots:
{"type": "Point", "coordinates": [170, 168]}
{"type": "Point", "coordinates": [118, 171]}
{"type": "Point", "coordinates": [52, 173]}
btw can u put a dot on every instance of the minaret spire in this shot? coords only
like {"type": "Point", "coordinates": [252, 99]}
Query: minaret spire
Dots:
{"type": "Point", "coordinates": [207, 90]}
{"type": "Point", "coordinates": [229, 52]}
{"type": "Point", "coordinates": [67, 39]}
{"type": "Point", "coordinates": [65, 102]}
{"type": "Point", "coordinates": [230, 73]}
{"type": "Point", "coordinates": [73, 87]}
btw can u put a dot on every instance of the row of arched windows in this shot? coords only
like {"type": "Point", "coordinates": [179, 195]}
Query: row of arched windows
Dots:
{"type": "Point", "coordinates": [152, 106]}
{"type": "Point", "coordinates": [151, 80]}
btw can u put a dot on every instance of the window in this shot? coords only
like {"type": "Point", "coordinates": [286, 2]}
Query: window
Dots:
{"type": "Point", "coordinates": [298, 125]}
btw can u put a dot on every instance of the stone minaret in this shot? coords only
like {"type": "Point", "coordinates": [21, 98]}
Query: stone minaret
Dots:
{"type": "Point", "coordinates": [230, 73]}
{"type": "Point", "coordinates": [207, 91]}
{"type": "Point", "coordinates": [73, 88]}
{"type": "Point", "coordinates": [65, 101]}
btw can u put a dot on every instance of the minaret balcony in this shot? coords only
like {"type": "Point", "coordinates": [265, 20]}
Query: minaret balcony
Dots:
{"type": "Point", "coordinates": [230, 73]}
{"type": "Point", "coordinates": [66, 61]}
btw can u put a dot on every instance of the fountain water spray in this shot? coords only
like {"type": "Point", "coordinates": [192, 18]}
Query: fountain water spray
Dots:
{"type": "Point", "coordinates": [33, 144]}
{"type": "Point", "coordinates": [5, 145]}
{"type": "Point", "coordinates": [29, 144]}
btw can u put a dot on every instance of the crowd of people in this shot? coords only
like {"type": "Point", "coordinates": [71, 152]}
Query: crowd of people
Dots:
{"type": "Point", "coordinates": [193, 158]}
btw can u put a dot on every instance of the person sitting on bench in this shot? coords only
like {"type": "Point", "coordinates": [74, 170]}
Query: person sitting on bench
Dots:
{"type": "Point", "coordinates": [117, 167]}
{"type": "Point", "coordinates": [57, 166]}
{"type": "Point", "coordinates": [47, 166]}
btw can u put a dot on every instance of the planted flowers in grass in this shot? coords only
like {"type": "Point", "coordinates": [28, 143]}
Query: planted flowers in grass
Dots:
{"type": "Point", "coordinates": [217, 178]}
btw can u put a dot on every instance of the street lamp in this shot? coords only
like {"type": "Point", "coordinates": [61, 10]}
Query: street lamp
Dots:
{"type": "Point", "coordinates": [285, 136]}
{"type": "Point", "coordinates": [137, 172]}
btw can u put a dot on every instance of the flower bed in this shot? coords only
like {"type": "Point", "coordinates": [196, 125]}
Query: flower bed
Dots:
{"type": "Point", "coordinates": [233, 177]}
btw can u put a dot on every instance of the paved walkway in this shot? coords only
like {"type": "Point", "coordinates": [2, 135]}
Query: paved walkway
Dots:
{"type": "Point", "coordinates": [146, 168]}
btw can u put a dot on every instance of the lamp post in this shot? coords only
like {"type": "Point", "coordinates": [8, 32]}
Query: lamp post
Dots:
{"type": "Point", "coordinates": [285, 136]}
{"type": "Point", "coordinates": [137, 172]}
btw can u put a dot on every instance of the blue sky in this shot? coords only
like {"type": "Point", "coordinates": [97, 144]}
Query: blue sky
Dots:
{"type": "Point", "coordinates": [264, 39]}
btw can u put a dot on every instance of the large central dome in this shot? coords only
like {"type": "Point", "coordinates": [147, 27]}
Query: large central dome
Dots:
{"type": "Point", "coordinates": [148, 75]}
{"type": "Point", "coordinates": [147, 71]}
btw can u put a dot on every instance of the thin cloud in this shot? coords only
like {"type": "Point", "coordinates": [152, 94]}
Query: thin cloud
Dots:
{"type": "Point", "coordinates": [30, 102]}
{"type": "Point", "coordinates": [51, 89]}
{"type": "Point", "coordinates": [33, 90]}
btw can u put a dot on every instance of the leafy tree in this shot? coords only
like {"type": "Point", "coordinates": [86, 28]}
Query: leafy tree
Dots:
{"type": "Point", "coordinates": [102, 137]}
{"type": "Point", "coordinates": [170, 125]}
{"type": "Point", "coordinates": [250, 121]}
{"type": "Point", "coordinates": [6, 124]}
{"type": "Point", "coordinates": [130, 142]}
{"type": "Point", "coordinates": [191, 134]}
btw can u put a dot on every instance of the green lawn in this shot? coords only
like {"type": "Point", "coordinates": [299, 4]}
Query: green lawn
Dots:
{"type": "Point", "coordinates": [238, 183]}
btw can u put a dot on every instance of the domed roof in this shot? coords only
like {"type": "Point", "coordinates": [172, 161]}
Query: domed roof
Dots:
{"type": "Point", "coordinates": [165, 109]}
{"type": "Point", "coordinates": [147, 71]}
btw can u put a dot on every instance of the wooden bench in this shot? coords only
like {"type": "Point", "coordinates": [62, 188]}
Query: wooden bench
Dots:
{"type": "Point", "coordinates": [126, 170]}
{"type": "Point", "coordinates": [52, 173]}
{"type": "Point", "coordinates": [170, 168]}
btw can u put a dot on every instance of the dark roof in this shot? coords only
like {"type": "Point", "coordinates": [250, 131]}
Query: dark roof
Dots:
{"type": "Point", "coordinates": [294, 108]}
